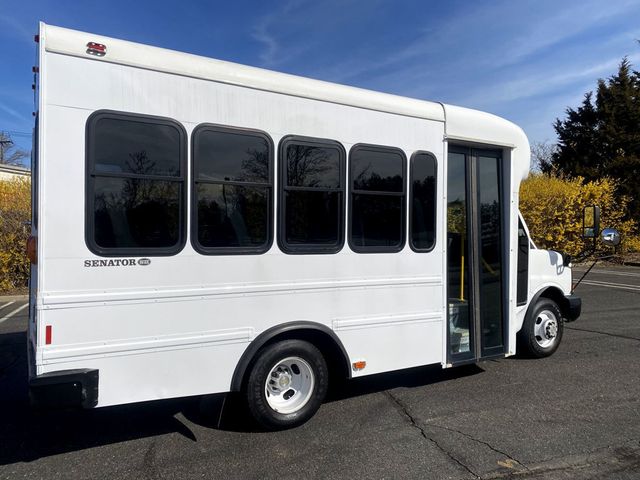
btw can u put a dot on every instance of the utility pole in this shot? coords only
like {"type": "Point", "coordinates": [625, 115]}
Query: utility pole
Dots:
{"type": "Point", "coordinates": [5, 142]}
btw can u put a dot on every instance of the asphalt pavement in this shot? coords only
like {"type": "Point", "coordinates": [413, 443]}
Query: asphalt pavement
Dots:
{"type": "Point", "coordinates": [573, 415]}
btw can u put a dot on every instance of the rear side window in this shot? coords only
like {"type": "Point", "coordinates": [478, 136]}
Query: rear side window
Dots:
{"type": "Point", "coordinates": [422, 204]}
{"type": "Point", "coordinates": [312, 179]}
{"type": "Point", "coordinates": [377, 188]}
{"type": "Point", "coordinates": [232, 190]}
{"type": "Point", "coordinates": [136, 169]}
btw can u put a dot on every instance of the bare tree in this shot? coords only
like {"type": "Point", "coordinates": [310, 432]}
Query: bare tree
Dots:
{"type": "Point", "coordinates": [9, 153]}
{"type": "Point", "coordinates": [542, 156]}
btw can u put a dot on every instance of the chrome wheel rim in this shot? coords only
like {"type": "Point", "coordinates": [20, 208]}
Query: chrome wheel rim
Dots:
{"type": "Point", "coordinates": [546, 329]}
{"type": "Point", "coordinates": [289, 385]}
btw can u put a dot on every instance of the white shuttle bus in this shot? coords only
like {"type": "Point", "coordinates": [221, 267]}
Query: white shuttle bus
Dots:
{"type": "Point", "coordinates": [201, 227]}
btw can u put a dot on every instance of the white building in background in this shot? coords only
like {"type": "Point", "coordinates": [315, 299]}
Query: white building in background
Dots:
{"type": "Point", "coordinates": [8, 172]}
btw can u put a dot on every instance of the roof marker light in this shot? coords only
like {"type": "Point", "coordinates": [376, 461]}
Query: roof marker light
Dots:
{"type": "Point", "coordinates": [97, 49]}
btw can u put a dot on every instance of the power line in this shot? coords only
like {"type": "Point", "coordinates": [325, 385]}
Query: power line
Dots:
{"type": "Point", "coordinates": [16, 133]}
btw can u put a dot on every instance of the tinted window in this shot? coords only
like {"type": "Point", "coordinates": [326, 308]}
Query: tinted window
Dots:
{"type": "Point", "coordinates": [232, 215]}
{"type": "Point", "coordinates": [380, 171]}
{"type": "Point", "coordinates": [136, 213]}
{"type": "Point", "coordinates": [135, 184]}
{"type": "Point", "coordinates": [377, 221]}
{"type": "Point", "coordinates": [523, 265]}
{"type": "Point", "coordinates": [123, 146]}
{"type": "Point", "coordinates": [232, 190]}
{"type": "Point", "coordinates": [231, 156]}
{"type": "Point", "coordinates": [377, 199]}
{"type": "Point", "coordinates": [423, 201]}
{"type": "Point", "coordinates": [312, 195]}
{"type": "Point", "coordinates": [309, 166]}
{"type": "Point", "coordinates": [490, 203]}
{"type": "Point", "coordinates": [312, 218]}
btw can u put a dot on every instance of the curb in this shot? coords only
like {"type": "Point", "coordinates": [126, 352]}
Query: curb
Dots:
{"type": "Point", "coordinates": [12, 298]}
{"type": "Point", "coordinates": [620, 263]}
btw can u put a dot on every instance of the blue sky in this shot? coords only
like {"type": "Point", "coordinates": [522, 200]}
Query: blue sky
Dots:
{"type": "Point", "coordinates": [523, 60]}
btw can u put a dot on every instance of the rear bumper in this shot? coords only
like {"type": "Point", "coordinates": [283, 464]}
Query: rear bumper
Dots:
{"type": "Point", "coordinates": [574, 307]}
{"type": "Point", "coordinates": [65, 388]}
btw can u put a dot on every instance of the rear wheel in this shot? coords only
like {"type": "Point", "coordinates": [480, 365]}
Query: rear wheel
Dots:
{"type": "Point", "coordinates": [541, 332]}
{"type": "Point", "coordinates": [287, 384]}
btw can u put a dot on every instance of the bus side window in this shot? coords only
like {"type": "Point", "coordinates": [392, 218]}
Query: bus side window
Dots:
{"type": "Point", "coordinates": [422, 179]}
{"type": "Point", "coordinates": [377, 208]}
{"type": "Point", "coordinates": [311, 207]}
{"type": "Point", "coordinates": [136, 192]}
{"type": "Point", "coordinates": [232, 190]}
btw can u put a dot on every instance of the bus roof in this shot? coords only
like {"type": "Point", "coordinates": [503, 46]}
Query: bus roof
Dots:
{"type": "Point", "coordinates": [71, 42]}
{"type": "Point", "coordinates": [461, 124]}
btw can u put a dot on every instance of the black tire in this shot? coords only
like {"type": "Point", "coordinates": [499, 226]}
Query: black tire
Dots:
{"type": "Point", "coordinates": [266, 360]}
{"type": "Point", "coordinates": [544, 312]}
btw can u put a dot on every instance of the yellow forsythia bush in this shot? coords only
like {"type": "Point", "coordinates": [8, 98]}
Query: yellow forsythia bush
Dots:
{"type": "Point", "coordinates": [15, 209]}
{"type": "Point", "coordinates": [552, 207]}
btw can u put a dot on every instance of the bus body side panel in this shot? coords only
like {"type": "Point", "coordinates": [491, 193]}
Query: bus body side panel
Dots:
{"type": "Point", "coordinates": [179, 325]}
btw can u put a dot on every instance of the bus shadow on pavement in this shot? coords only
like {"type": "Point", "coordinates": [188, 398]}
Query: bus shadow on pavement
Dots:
{"type": "Point", "coordinates": [27, 434]}
{"type": "Point", "coordinates": [228, 412]}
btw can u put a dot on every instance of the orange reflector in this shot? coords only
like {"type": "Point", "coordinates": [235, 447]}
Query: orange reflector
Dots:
{"type": "Point", "coordinates": [32, 249]}
{"type": "Point", "coordinates": [47, 335]}
{"type": "Point", "coordinates": [359, 365]}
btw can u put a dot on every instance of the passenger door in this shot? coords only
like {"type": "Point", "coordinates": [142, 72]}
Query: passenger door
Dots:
{"type": "Point", "coordinates": [475, 255]}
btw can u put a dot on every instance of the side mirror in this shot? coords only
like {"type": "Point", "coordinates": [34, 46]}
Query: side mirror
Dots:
{"type": "Point", "coordinates": [611, 237]}
{"type": "Point", "coordinates": [591, 222]}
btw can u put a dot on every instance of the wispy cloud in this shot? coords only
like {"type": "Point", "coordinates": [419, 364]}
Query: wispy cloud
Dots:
{"type": "Point", "coordinates": [304, 33]}
{"type": "Point", "coordinates": [472, 38]}
{"type": "Point", "coordinates": [273, 53]}
{"type": "Point", "coordinates": [543, 83]}
{"type": "Point", "coordinates": [524, 60]}
{"type": "Point", "coordinates": [543, 31]}
{"type": "Point", "coordinates": [10, 111]}
{"type": "Point", "coordinates": [17, 29]}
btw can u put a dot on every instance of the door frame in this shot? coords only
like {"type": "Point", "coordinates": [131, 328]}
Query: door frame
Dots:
{"type": "Point", "coordinates": [473, 220]}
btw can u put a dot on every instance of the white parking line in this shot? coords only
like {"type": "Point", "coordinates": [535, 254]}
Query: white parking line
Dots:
{"type": "Point", "coordinates": [609, 272]}
{"type": "Point", "coordinates": [7, 304]}
{"type": "Point", "coordinates": [622, 286]}
{"type": "Point", "coordinates": [17, 310]}
{"type": "Point", "coordinates": [605, 283]}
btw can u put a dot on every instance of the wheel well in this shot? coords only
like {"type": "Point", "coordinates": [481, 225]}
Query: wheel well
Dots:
{"type": "Point", "coordinates": [318, 335]}
{"type": "Point", "coordinates": [555, 294]}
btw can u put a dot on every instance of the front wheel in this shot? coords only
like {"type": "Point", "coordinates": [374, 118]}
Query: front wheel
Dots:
{"type": "Point", "coordinates": [542, 331]}
{"type": "Point", "coordinates": [287, 384]}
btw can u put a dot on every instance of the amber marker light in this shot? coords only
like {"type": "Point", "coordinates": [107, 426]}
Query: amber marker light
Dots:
{"type": "Point", "coordinates": [359, 365]}
{"type": "Point", "coordinates": [32, 249]}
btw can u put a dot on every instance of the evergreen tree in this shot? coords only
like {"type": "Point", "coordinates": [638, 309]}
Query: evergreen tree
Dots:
{"type": "Point", "coordinates": [602, 136]}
